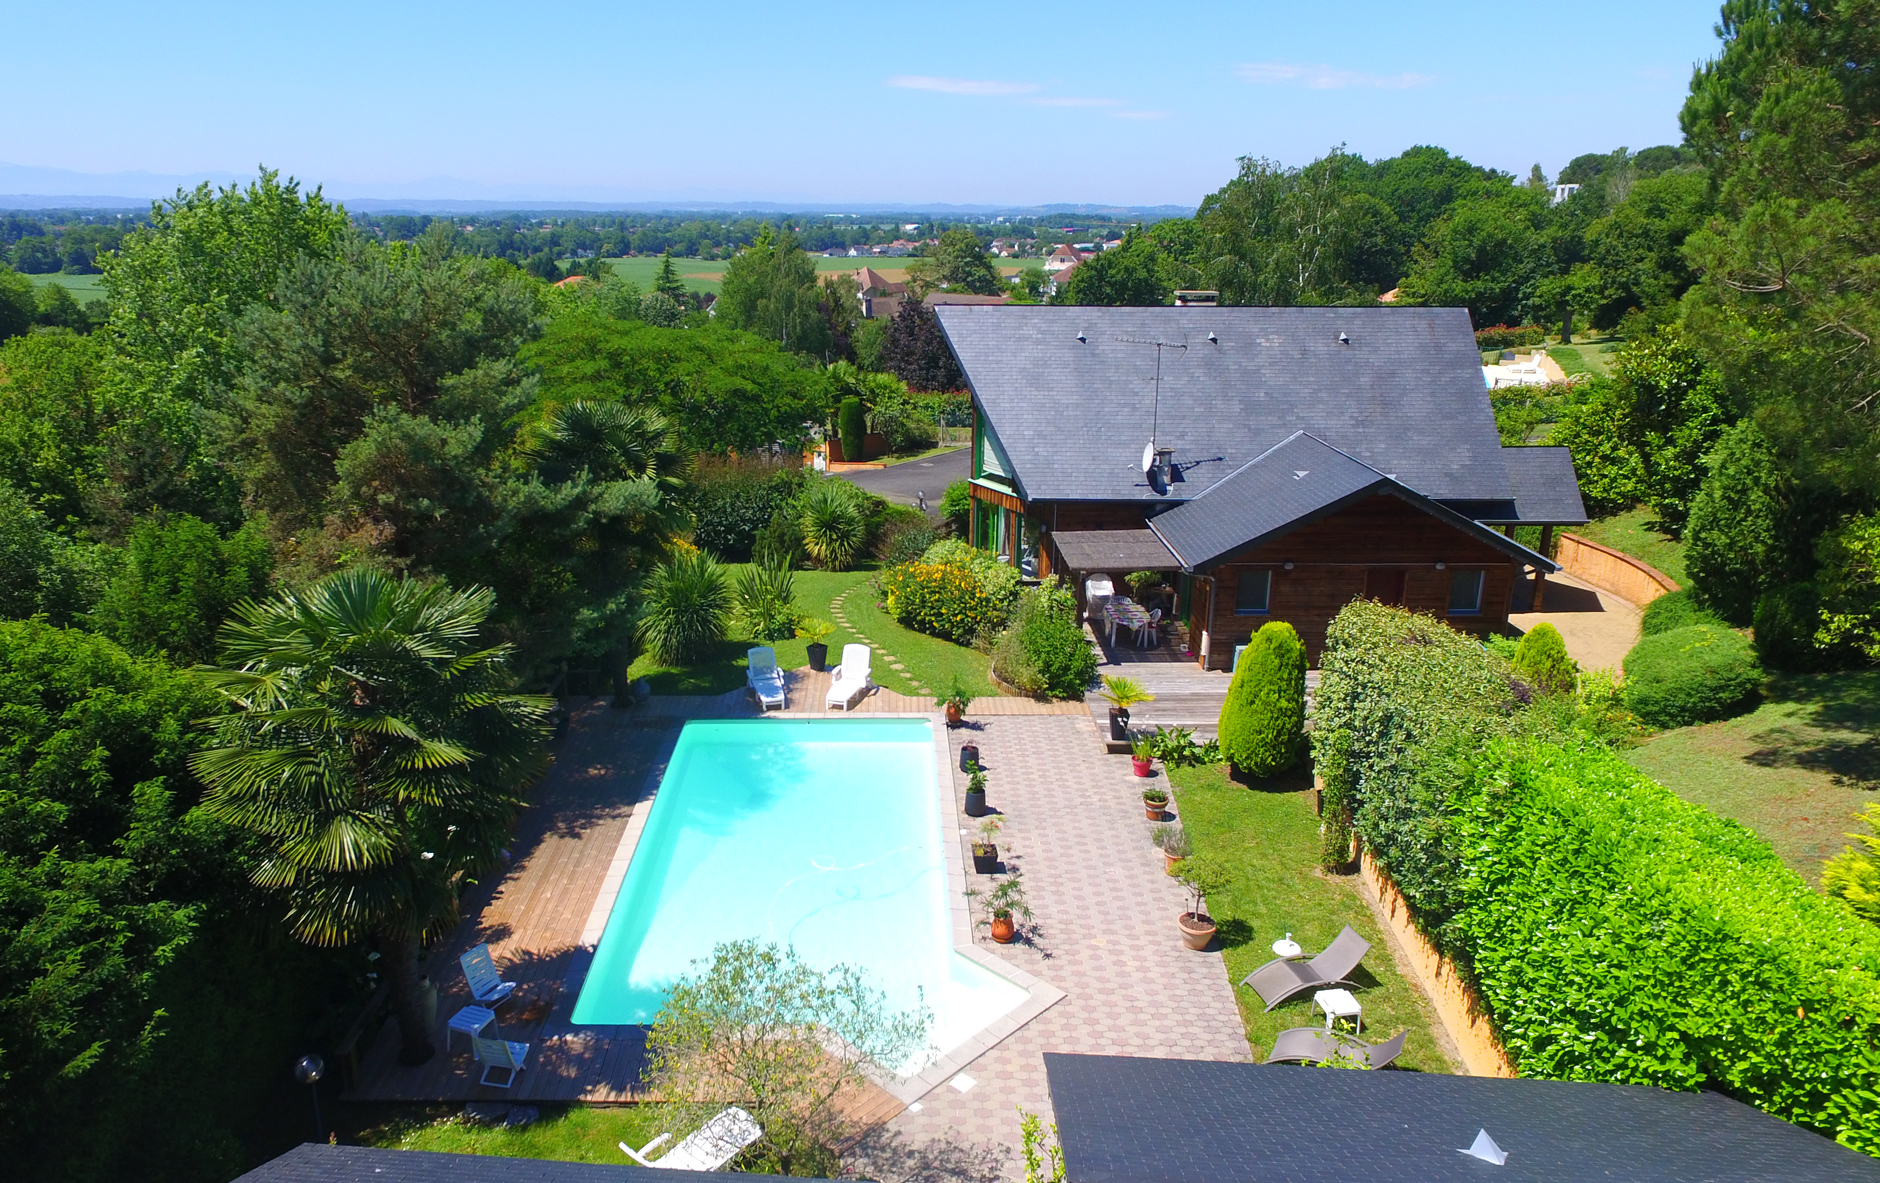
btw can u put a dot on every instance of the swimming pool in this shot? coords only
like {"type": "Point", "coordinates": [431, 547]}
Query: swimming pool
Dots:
{"type": "Point", "coordinates": [822, 835]}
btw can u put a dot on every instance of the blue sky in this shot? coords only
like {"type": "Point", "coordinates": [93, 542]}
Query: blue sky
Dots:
{"type": "Point", "coordinates": [983, 103]}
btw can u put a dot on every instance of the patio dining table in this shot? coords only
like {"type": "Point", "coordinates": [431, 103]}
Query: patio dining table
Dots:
{"type": "Point", "coordinates": [1127, 613]}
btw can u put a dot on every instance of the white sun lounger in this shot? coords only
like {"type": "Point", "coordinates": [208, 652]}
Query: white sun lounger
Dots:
{"type": "Point", "coordinates": [850, 678]}
{"type": "Point", "coordinates": [499, 1053]}
{"type": "Point", "coordinates": [486, 985]}
{"type": "Point", "coordinates": [764, 678]}
{"type": "Point", "coordinates": [707, 1148]}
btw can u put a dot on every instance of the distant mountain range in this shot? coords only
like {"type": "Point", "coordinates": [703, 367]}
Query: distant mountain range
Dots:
{"type": "Point", "coordinates": [27, 187]}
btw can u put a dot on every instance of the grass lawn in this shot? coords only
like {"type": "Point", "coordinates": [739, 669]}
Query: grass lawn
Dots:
{"type": "Point", "coordinates": [566, 1133]}
{"type": "Point", "coordinates": [1793, 770]}
{"type": "Point", "coordinates": [707, 275]}
{"type": "Point", "coordinates": [1635, 533]}
{"type": "Point", "coordinates": [1585, 356]}
{"type": "Point", "coordinates": [1271, 840]}
{"type": "Point", "coordinates": [929, 661]}
{"type": "Point", "coordinates": [82, 287]}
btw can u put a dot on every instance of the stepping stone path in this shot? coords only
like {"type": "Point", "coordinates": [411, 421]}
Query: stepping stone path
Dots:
{"type": "Point", "coordinates": [894, 663]}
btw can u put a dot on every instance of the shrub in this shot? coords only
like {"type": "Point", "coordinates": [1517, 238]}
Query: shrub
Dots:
{"type": "Point", "coordinates": [731, 502]}
{"type": "Point", "coordinates": [765, 598]}
{"type": "Point", "coordinates": [1854, 875]}
{"type": "Point", "coordinates": [1789, 634]}
{"type": "Point", "coordinates": [1501, 645]}
{"type": "Point", "coordinates": [1617, 933]}
{"type": "Point", "coordinates": [903, 535]}
{"type": "Point", "coordinates": [956, 508]}
{"type": "Point", "coordinates": [1690, 675]}
{"type": "Point", "coordinates": [1043, 650]}
{"type": "Point", "coordinates": [1264, 715]}
{"type": "Point", "coordinates": [780, 544]}
{"type": "Point", "coordinates": [687, 607]}
{"type": "Point", "coordinates": [1504, 337]}
{"type": "Point", "coordinates": [177, 583]}
{"type": "Point", "coordinates": [1850, 585]}
{"type": "Point", "coordinates": [1732, 540]}
{"type": "Point", "coordinates": [1610, 474]}
{"type": "Point", "coordinates": [1541, 659]}
{"type": "Point", "coordinates": [1000, 580]}
{"type": "Point", "coordinates": [940, 599]}
{"type": "Point", "coordinates": [832, 523]}
{"type": "Point", "coordinates": [852, 428]}
{"type": "Point", "coordinates": [1675, 610]}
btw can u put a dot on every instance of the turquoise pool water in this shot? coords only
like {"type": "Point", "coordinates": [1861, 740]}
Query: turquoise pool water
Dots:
{"type": "Point", "coordinates": [822, 835]}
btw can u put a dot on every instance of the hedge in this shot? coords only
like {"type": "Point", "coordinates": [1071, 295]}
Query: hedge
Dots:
{"type": "Point", "coordinates": [1505, 337]}
{"type": "Point", "coordinates": [1690, 675]}
{"type": "Point", "coordinates": [1263, 717]}
{"type": "Point", "coordinates": [1044, 652]}
{"type": "Point", "coordinates": [1617, 933]}
{"type": "Point", "coordinates": [1675, 610]}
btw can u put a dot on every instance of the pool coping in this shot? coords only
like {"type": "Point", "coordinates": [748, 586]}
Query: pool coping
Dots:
{"type": "Point", "coordinates": [1040, 995]}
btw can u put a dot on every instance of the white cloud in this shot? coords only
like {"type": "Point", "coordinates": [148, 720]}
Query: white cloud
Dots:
{"type": "Point", "coordinates": [966, 86]}
{"type": "Point", "coordinates": [1327, 78]}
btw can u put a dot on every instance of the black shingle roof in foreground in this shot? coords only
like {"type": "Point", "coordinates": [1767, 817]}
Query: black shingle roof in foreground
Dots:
{"type": "Point", "coordinates": [315, 1163]}
{"type": "Point", "coordinates": [1129, 1120]}
{"type": "Point", "coordinates": [1403, 393]}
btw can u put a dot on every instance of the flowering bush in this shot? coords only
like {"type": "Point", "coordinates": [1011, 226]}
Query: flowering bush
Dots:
{"type": "Point", "coordinates": [941, 599]}
{"type": "Point", "coordinates": [1504, 337]}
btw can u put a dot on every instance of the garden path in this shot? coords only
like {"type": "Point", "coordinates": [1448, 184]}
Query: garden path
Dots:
{"type": "Point", "coordinates": [1104, 932]}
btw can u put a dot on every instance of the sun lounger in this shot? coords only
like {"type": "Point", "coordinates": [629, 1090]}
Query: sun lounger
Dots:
{"type": "Point", "coordinates": [486, 986]}
{"type": "Point", "coordinates": [764, 678]}
{"type": "Point", "coordinates": [1280, 979]}
{"type": "Point", "coordinates": [707, 1148]}
{"type": "Point", "coordinates": [500, 1054]}
{"type": "Point", "coordinates": [1315, 1045]}
{"type": "Point", "coordinates": [850, 678]}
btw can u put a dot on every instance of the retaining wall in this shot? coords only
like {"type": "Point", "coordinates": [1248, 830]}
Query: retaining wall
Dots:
{"type": "Point", "coordinates": [1612, 570]}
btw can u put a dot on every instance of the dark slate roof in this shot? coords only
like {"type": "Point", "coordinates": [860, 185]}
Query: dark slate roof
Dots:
{"type": "Point", "coordinates": [312, 1162]}
{"type": "Point", "coordinates": [1128, 1120]}
{"type": "Point", "coordinates": [1113, 550]}
{"type": "Point", "coordinates": [1297, 481]}
{"type": "Point", "coordinates": [1545, 488]}
{"type": "Point", "coordinates": [1404, 395]}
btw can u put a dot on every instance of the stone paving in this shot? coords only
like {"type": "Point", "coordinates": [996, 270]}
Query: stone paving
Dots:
{"type": "Point", "coordinates": [1103, 932]}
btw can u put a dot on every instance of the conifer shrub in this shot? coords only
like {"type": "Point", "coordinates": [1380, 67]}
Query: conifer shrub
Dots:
{"type": "Point", "coordinates": [852, 428]}
{"type": "Point", "coordinates": [1690, 675]}
{"type": "Point", "coordinates": [1675, 610]}
{"type": "Point", "coordinates": [1263, 719]}
{"type": "Point", "coordinates": [1541, 660]}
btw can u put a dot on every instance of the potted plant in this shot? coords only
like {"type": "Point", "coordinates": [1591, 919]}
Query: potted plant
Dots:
{"type": "Point", "coordinates": [956, 701]}
{"type": "Point", "coordinates": [816, 632]}
{"type": "Point", "coordinates": [1005, 905]}
{"type": "Point", "coordinates": [985, 851]}
{"type": "Point", "coordinates": [1172, 841]}
{"type": "Point", "coordinates": [969, 757]}
{"type": "Point", "coordinates": [976, 794]}
{"type": "Point", "coordinates": [1202, 875]}
{"type": "Point", "coordinates": [1155, 804]}
{"type": "Point", "coordinates": [1142, 755]}
{"type": "Point", "coordinates": [1121, 694]}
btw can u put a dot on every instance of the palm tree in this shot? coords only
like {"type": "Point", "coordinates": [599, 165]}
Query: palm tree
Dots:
{"type": "Point", "coordinates": [375, 751]}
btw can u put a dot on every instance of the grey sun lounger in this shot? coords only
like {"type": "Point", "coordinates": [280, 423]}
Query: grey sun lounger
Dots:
{"type": "Point", "coordinates": [1315, 1045]}
{"type": "Point", "coordinates": [1280, 979]}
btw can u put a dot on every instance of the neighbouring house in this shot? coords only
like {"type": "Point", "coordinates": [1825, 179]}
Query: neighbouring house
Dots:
{"type": "Point", "coordinates": [936, 299]}
{"type": "Point", "coordinates": [1277, 462]}
{"type": "Point", "coordinates": [1055, 280]}
{"type": "Point", "coordinates": [880, 296]}
{"type": "Point", "coordinates": [1562, 192]}
{"type": "Point", "coordinates": [1389, 297]}
{"type": "Point", "coordinates": [1064, 256]}
{"type": "Point", "coordinates": [1127, 1119]}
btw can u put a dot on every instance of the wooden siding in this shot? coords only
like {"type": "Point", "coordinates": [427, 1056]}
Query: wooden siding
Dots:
{"type": "Point", "coordinates": [1331, 560]}
{"type": "Point", "coordinates": [1089, 515]}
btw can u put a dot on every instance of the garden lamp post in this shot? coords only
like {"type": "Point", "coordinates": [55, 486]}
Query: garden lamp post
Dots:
{"type": "Point", "coordinates": [308, 1070]}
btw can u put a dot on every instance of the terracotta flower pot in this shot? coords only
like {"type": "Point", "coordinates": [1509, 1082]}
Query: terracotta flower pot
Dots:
{"type": "Point", "coordinates": [1197, 929]}
{"type": "Point", "coordinates": [953, 714]}
{"type": "Point", "coordinates": [1003, 930]}
{"type": "Point", "coordinates": [1144, 765]}
{"type": "Point", "coordinates": [1169, 862]}
{"type": "Point", "coordinates": [1154, 810]}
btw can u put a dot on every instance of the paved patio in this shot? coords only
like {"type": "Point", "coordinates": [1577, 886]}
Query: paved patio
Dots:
{"type": "Point", "coordinates": [1599, 628]}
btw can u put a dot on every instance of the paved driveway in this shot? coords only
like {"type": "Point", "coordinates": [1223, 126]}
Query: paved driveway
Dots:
{"type": "Point", "coordinates": [1598, 627]}
{"type": "Point", "coordinates": [903, 483]}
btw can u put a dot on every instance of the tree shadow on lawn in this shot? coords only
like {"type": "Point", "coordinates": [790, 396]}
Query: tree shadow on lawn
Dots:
{"type": "Point", "coordinates": [1831, 726]}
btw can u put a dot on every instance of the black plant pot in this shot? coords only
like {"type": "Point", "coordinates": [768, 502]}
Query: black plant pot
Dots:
{"type": "Point", "coordinates": [818, 656]}
{"type": "Point", "coordinates": [969, 757]}
{"type": "Point", "coordinates": [1119, 724]}
{"type": "Point", "coordinates": [987, 863]}
{"type": "Point", "coordinates": [976, 804]}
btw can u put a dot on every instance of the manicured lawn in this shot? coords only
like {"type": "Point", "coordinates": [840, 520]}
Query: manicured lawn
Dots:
{"type": "Point", "coordinates": [566, 1133]}
{"type": "Point", "coordinates": [1270, 837]}
{"type": "Point", "coordinates": [1585, 356]}
{"type": "Point", "coordinates": [930, 662]}
{"type": "Point", "coordinates": [1571, 360]}
{"type": "Point", "coordinates": [1635, 533]}
{"type": "Point", "coordinates": [1793, 770]}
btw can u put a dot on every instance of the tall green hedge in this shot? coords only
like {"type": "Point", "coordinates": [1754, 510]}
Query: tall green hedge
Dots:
{"type": "Point", "coordinates": [1619, 934]}
{"type": "Point", "coordinates": [852, 428]}
{"type": "Point", "coordinates": [1263, 716]}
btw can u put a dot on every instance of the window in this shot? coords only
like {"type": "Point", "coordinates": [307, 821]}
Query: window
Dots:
{"type": "Point", "coordinates": [1252, 591]}
{"type": "Point", "coordinates": [1465, 593]}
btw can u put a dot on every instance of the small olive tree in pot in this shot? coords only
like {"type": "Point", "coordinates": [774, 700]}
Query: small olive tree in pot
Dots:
{"type": "Point", "coordinates": [1202, 875]}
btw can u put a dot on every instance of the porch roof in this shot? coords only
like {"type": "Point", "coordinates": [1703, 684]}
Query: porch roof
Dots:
{"type": "Point", "coordinates": [1114, 550]}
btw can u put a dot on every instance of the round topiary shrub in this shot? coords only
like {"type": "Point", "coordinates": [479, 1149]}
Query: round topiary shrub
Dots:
{"type": "Point", "coordinates": [1541, 660]}
{"type": "Point", "coordinates": [1264, 716]}
{"type": "Point", "coordinates": [1675, 610]}
{"type": "Point", "coordinates": [1690, 675]}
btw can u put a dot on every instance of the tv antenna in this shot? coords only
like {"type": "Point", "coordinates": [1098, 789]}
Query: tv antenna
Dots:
{"type": "Point", "coordinates": [1157, 463]}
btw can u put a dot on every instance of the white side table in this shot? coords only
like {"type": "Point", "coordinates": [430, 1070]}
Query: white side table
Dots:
{"type": "Point", "coordinates": [1287, 947]}
{"type": "Point", "coordinates": [1339, 1004]}
{"type": "Point", "coordinates": [471, 1020]}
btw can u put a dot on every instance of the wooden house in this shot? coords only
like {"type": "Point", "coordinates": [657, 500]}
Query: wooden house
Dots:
{"type": "Point", "coordinates": [1275, 463]}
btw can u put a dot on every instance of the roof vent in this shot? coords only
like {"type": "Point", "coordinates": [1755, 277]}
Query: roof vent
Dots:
{"type": "Point", "coordinates": [1485, 1149]}
{"type": "Point", "coordinates": [1343, 339]}
{"type": "Point", "coordinates": [1299, 474]}
{"type": "Point", "coordinates": [1080, 337]}
{"type": "Point", "coordinates": [1216, 340]}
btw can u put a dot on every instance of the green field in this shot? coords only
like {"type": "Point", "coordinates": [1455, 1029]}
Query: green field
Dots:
{"type": "Point", "coordinates": [82, 287]}
{"type": "Point", "coordinates": [707, 275]}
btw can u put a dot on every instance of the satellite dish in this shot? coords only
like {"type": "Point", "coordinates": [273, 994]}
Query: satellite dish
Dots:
{"type": "Point", "coordinates": [1148, 456]}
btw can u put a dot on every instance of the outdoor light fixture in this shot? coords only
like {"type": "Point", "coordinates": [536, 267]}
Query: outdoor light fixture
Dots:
{"type": "Point", "coordinates": [1286, 566]}
{"type": "Point", "coordinates": [308, 1070]}
{"type": "Point", "coordinates": [1442, 566]}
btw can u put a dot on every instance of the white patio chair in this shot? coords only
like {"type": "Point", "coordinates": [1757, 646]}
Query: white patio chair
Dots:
{"type": "Point", "coordinates": [764, 678]}
{"type": "Point", "coordinates": [1150, 634]}
{"type": "Point", "coordinates": [707, 1148]}
{"type": "Point", "coordinates": [850, 678]}
{"type": "Point", "coordinates": [486, 986]}
{"type": "Point", "coordinates": [500, 1053]}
